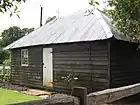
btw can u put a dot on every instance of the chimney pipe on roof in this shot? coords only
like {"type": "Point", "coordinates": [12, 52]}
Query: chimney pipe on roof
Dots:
{"type": "Point", "coordinates": [41, 16]}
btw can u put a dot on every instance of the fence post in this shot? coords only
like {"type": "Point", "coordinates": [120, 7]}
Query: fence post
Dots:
{"type": "Point", "coordinates": [81, 93]}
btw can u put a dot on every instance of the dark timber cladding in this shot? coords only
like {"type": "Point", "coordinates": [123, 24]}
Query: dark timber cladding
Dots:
{"type": "Point", "coordinates": [99, 65]}
{"type": "Point", "coordinates": [125, 63]}
{"type": "Point", "coordinates": [88, 61]}
{"type": "Point", "coordinates": [30, 75]}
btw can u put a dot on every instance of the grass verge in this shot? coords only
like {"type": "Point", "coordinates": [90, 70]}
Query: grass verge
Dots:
{"type": "Point", "coordinates": [10, 97]}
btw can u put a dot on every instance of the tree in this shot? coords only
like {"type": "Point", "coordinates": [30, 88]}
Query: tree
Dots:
{"type": "Point", "coordinates": [27, 30]}
{"type": "Point", "coordinates": [10, 5]}
{"type": "Point", "coordinates": [1, 42]}
{"type": "Point", "coordinates": [4, 54]}
{"type": "Point", "coordinates": [126, 16]}
{"type": "Point", "coordinates": [50, 19]}
{"type": "Point", "coordinates": [93, 2]}
{"type": "Point", "coordinates": [13, 33]}
{"type": "Point", "coordinates": [8, 36]}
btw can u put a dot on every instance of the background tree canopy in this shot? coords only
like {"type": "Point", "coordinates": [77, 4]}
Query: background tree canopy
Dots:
{"type": "Point", "coordinates": [4, 54]}
{"type": "Point", "coordinates": [10, 35]}
{"type": "Point", "coordinates": [13, 33]}
{"type": "Point", "coordinates": [126, 16]}
{"type": "Point", "coordinates": [50, 19]}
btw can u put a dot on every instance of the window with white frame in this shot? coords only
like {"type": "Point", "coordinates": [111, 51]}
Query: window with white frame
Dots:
{"type": "Point", "coordinates": [24, 57]}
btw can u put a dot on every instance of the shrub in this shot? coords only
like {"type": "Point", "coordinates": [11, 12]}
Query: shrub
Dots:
{"type": "Point", "coordinates": [5, 73]}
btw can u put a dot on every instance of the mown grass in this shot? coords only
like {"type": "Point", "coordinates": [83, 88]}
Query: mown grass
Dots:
{"type": "Point", "coordinates": [10, 97]}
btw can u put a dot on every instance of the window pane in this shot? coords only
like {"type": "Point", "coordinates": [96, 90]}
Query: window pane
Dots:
{"type": "Point", "coordinates": [24, 57]}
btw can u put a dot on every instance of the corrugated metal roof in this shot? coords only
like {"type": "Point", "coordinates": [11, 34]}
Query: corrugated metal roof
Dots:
{"type": "Point", "coordinates": [79, 27]}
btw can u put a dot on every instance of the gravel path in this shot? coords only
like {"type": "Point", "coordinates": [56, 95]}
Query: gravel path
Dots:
{"type": "Point", "coordinates": [13, 87]}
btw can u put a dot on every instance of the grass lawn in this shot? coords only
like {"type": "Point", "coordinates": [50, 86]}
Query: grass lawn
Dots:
{"type": "Point", "coordinates": [10, 97]}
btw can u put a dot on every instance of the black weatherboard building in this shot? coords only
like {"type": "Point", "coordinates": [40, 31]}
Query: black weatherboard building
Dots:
{"type": "Point", "coordinates": [85, 45]}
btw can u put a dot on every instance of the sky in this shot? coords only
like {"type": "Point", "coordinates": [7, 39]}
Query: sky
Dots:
{"type": "Point", "coordinates": [30, 12]}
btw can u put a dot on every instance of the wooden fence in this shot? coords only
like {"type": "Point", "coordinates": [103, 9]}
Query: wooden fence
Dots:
{"type": "Point", "coordinates": [79, 96]}
{"type": "Point", "coordinates": [111, 95]}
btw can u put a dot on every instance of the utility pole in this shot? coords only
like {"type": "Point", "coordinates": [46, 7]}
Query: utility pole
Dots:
{"type": "Point", "coordinates": [41, 16]}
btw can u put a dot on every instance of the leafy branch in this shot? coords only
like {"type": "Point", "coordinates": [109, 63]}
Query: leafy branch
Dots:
{"type": "Point", "coordinates": [93, 2]}
{"type": "Point", "coordinates": [10, 6]}
{"type": "Point", "coordinates": [126, 16]}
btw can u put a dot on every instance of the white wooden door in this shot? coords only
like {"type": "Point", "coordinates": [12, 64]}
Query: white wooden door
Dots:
{"type": "Point", "coordinates": [47, 67]}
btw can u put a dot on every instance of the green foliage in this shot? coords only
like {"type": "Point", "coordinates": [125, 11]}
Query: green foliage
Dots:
{"type": "Point", "coordinates": [5, 73]}
{"type": "Point", "coordinates": [93, 2]}
{"type": "Point", "coordinates": [4, 54]}
{"type": "Point", "coordinates": [70, 79]}
{"type": "Point", "coordinates": [126, 16]}
{"type": "Point", "coordinates": [10, 6]}
{"type": "Point", "coordinates": [11, 97]}
{"type": "Point", "coordinates": [27, 30]}
{"type": "Point", "coordinates": [8, 36]}
{"type": "Point", "coordinates": [50, 19]}
{"type": "Point", "coordinates": [1, 42]}
{"type": "Point", "coordinates": [13, 33]}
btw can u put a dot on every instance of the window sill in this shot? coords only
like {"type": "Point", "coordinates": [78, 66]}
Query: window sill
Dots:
{"type": "Point", "coordinates": [24, 65]}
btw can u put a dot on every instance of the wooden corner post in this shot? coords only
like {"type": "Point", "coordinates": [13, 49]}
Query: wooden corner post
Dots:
{"type": "Point", "coordinates": [81, 93]}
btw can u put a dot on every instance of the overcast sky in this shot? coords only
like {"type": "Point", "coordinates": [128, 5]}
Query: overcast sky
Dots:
{"type": "Point", "coordinates": [30, 12]}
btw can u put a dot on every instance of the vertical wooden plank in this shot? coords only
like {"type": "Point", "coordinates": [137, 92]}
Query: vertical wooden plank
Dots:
{"type": "Point", "coordinates": [109, 71]}
{"type": "Point", "coordinates": [90, 56]}
{"type": "Point", "coordinates": [81, 93]}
